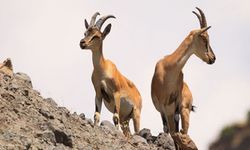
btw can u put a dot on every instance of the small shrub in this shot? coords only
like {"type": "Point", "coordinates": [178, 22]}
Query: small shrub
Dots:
{"type": "Point", "coordinates": [248, 117]}
{"type": "Point", "coordinates": [227, 131]}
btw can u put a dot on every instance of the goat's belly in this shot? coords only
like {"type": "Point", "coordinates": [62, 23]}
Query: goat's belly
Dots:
{"type": "Point", "coordinates": [126, 107]}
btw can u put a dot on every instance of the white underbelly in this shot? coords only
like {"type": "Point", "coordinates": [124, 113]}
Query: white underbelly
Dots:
{"type": "Point", "coordinates": [126, 107]}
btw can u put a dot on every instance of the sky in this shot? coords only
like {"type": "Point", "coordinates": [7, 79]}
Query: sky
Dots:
{"type": "Point", "coordinates": [42, 39]}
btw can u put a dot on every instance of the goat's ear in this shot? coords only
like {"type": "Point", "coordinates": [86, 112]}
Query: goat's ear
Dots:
{"type": "Point", "coordinates": [106, 31]}
{"type": "Point", "coordinates": [204, 29]}
{"type": "Point", "coordinates": [86, 24]}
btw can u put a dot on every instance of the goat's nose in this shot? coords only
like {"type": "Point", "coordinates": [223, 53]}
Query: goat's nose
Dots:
{"type": "Point", "coordinates": [212, 60]}
{"type": "Point", "coordinates": [82, 41]}
{"type": "Point", "coordinates": [82, 44]}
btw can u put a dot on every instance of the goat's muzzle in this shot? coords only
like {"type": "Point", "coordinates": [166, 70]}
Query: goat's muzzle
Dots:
{"type": "Point", "coordinates": [211, 56]}
{"type": "Point", "coordinates": [82, 44]}
{"type": "Point", "coordinates": [211, 60]}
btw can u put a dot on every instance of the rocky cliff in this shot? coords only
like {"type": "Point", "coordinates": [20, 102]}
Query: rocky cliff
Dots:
{"type": "Point", "coordinates": [29, 121]}
{"type": "Point", "coordinates": [234, 137]}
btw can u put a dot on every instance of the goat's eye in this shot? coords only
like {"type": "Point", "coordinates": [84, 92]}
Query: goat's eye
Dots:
{"type": "Point", "coordinates": [93, 37]}
{"type": "Point", "coordinates": [85, 33]}
{"type": "Point", "coordinates": [204, 39]}
{"type": "Point", "coordinates": [206, 45]}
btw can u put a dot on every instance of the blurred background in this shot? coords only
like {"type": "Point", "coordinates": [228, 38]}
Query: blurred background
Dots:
{"type": "Point", "coordinates": [42, 39]}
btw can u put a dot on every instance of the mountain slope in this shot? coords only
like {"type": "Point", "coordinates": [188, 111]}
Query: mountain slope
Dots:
{"type": "Point", "coordinates": [29, 121]}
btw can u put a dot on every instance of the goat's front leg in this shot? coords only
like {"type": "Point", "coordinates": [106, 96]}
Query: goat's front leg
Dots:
{"type": "Point", "coordinates": [116, 118]}
{"type": "Point", "coordinates": [171, 121]}
{"type": "Point", "coordinates": [166, 127]}
{"type": "Point", "coordinates": [98, 107]}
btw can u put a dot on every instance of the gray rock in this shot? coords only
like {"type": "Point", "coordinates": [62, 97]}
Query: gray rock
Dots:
{"type": "Point", "coordinates": [26, 141]}
{"type": "Point", "coordinates": [47, 136]}
{"type": "Point", "coordinates": [82, 116]}
{"type": "Point", "coordinates": [8, 96]}
{"type": "Point", "coordinates": [64, 111]}
{"type": "Point", "coordinates": [90, 122]}
{"type": "Point", "coordinates": [28, 121]}
{"type": "Point", "coordinates": [136, 139]}
{"type": "Point", "coordinates": [50, 101]}
{"type": "Point", "coordinates": [110, 128]}
{"type": "Point", "coordinates": [108, 124]}
{"type": "Point", "coordinates": [46, 113]}
{"type": "Point", "coordinates": [60, 147]}
{"type": "Point", "coordinates": [23, 78]}
{"type": "Point", "coordinates": [64, 138]}
{"type": "Point", "coordinates": [145, 133]}
{"type": "Point", "coordinates": [165, 141]}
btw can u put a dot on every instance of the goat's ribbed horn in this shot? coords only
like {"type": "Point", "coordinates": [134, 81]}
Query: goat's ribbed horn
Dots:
{"type": "Point", "coordinates": [92, 22]}
{"type": "Point", "coordinates": [199, 17]}
{"type": "Point", "coordinates": [203, 18]}
{"type": "Point", "coordinates": [100, 22]}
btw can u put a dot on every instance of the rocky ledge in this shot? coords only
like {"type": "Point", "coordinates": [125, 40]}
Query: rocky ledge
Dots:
{"type": "Point", "coordinates": [29, 121]}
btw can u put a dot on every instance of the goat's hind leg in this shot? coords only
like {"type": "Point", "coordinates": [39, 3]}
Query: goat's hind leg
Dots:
{"type": "Point", "coordinates": [185, 112]}
{"type": "Point", "coordinates": [136, 120]}
{"type": "Point", "coordinates": [125, 128]}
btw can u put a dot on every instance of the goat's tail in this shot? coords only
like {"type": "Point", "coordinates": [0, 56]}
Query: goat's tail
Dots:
{"type": "Point", "coordinates": [193, 108]}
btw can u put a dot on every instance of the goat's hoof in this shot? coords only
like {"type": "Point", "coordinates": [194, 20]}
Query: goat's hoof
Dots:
{"type": "Point", "coordinates": [127, 134]}
{"type": "Point", "coordinates": [165, 129]}
{"type": "Point", "coordinates": [96, 123]}
{"type": "Point", "coordinates": [117, 127]}
{"type": "Point", "coordinates": [116, 119]}
{"type": "Point", "coordinates": [183, 132]}
{"type": "Point", "coordinates": [96, 118]}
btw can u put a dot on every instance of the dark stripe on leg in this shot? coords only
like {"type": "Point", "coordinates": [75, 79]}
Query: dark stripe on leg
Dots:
{"type": "Point", "coordinates": [177, 119]}
{"type": "Point", "coordinates": [115, 119]}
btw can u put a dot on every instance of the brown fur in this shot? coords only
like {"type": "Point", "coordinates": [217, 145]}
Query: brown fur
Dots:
{"type": "Point", "coordinates": [110, 85]}
{"type": "Point", "coordinates": [170, 95]}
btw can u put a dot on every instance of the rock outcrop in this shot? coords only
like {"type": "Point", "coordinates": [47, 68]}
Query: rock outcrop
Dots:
{"type": "Point", "coordinates": [6, 67]}
{"type": "Point", "coordinates": [29, 121]}
{"type": "Point", "coordinates": [234, 137]}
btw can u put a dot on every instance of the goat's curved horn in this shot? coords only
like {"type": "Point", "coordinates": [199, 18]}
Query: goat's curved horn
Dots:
{"type": "Point", "coordinates": [100, 22]}
{"type": "Point", "coordinates": [199, 17]}
{"type": "Point", "coordinates": [203, 18]}
{"type": "Point", "coordinates": [92, 22]}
